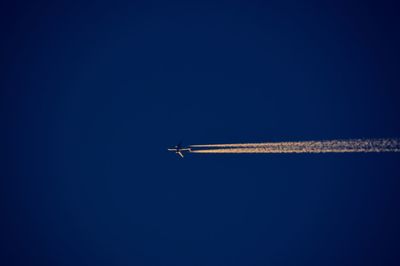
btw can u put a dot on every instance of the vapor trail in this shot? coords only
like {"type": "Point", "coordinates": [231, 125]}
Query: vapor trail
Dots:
{"type": "Point", "coordinates": [327, 146]}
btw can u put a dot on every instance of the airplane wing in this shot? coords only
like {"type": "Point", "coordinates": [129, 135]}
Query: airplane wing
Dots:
{"type": "Point", "coordinates": [180, 154]}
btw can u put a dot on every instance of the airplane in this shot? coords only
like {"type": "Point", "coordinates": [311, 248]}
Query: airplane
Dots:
{"type": "Point", "coordinates": [178, 149]}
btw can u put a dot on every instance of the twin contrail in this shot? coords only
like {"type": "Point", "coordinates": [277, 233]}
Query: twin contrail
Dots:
{"type": "Point", "coordinates": [324, 146]}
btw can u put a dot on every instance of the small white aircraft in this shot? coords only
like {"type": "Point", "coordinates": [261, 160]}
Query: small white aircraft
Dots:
{"type": "Point", "coordinates": [178, 149]}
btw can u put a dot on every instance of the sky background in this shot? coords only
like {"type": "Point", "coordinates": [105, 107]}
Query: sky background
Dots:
{"type": "Point", "coordinates": [94, 92]}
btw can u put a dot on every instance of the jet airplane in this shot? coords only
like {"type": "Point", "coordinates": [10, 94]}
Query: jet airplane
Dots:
{"type": "Point", "coordinates": [178, 149]}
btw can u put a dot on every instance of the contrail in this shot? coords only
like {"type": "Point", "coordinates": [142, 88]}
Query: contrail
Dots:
{"type": "Point", "coordinates": [325, 146]}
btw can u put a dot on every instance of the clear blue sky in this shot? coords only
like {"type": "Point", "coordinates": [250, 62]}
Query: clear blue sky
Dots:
{"type": "Point", "coordinates": [93, 92]}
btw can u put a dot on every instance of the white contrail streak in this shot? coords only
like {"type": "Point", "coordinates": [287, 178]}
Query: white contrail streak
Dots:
{"type": "Point", "coordinates": [327, 146]}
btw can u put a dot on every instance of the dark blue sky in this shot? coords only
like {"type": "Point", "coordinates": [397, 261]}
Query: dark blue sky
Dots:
{"type": "Point", "coordinates": [93, 93]}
